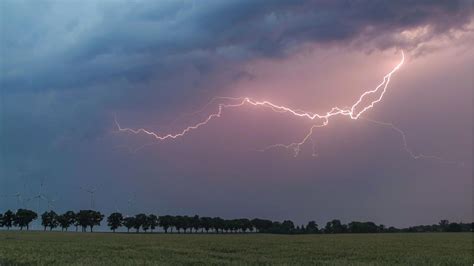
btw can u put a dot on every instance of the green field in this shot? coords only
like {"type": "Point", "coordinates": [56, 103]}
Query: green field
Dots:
{"type": "Point", "coordinates": [107, 248]}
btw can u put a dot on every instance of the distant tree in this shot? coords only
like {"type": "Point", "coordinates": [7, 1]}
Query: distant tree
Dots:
{"type": "Point", "coordinates": [128, 222]}
{"type": "Point", "coordinates": [23, 218]}
{"type": "Point", "coordinates": [227, 225]}
{"type": "Point", "coordinates": [152, 222]}
{"type": "Point", "coordinates": [217, 224]}
{"type": "Point", "coordinates": [49, 219]}
{"type": "Point", "coordinates": [206, 223]}
{"type": "Point", "coordinates": [69, 219]}
{"type": "Point", "coordinates": [233, 225]}
{"type": "Point", "coordinates": [454, 227]}
{"type": "Point", "coordinates": [196, 223]}
{"type": "Point", "coordinates": [363, 227]}
{"type": "Point", "coordinates": [165, 222]}
{"type": "Point", "coordinates": [76, 221]}
{"type": "Point", "coordinates": [63, 222]}
{"type": "Point", "coordinates": [443, 224]}
{"type": "Point", "coordinates": [83, 219]}
{"type": "Point", "coordinates": [392, 229]}
{"type": "Point", "coordinates": [1, 220]}
{"type": "Point", "coordinates": [312, 227]}
{"type": "Point", "coordinates": [89, 218]}
{"type": "Point", "coordinates": [381, 228]}
{"type": "Point", "coordinates": [114, 221]}
{"type": "Point", "coordinates": [95, 218]}
{"type": "Point", "coordinates": [8, 218]}
{"type": "Point", "coordinates": [146, 225]}
{"type": "Point", "coordinates": [186, 223]}
{"type": "Point", "coordinates": [177, 222]}
{"type": "Point", "coordinates": [287, 227]}
{"type": "Point", "coordinates": [140, 220]}
{"type": "Point", "coordinates": [245, 224]}
{"type": "Point", "coordinates": [262, 225]}
{"type": "Point", "coordinates": [335, 227]}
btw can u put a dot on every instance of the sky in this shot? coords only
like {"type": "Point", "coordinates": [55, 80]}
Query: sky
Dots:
{"type": "Point", "coordinates": [69, 69]}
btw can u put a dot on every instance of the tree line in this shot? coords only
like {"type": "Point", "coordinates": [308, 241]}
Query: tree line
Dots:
{"type": "Point", "coordinates": [88, 219]}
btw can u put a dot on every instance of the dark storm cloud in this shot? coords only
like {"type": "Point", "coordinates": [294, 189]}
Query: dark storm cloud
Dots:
{"type": "Point", "coordinates": [133, 41]}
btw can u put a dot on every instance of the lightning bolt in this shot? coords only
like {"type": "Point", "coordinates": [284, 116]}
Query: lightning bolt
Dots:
{"type": "Point", "coordinates": [353, 112]}
{"type": "Point", "coordinates": [407, 148]}
{"type": "Point", "coordinates": [321, 120]}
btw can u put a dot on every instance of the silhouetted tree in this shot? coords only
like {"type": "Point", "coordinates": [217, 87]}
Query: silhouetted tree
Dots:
{"type": "Point", "coordinates": [95, 219]}
{"type": "Point", "coordinates": [206, 223]}
{"type": "Point", "coordinates": [23, 218]}
{"type": "Point", "coordinates": [89, 218]}
{"type": "Point", "coordinates": [312, 227]}
{"type": "Point", "coordinates": [49, 219]}
{"type": "Point", "coordinates": [128, 222]}
{"type": "Point", "coordinates": [69, 218]}
{"type": "Point", "coordinates": [261, 225]}
{"type": "Point", "coordinates": [152, 221]}
{"type": "Point", "coordinates": [362, 227]}
{"type": "Point", "coordinates": [287, 227]}
{"type": "Point", "coordinates": [83, 219]}
{"type": "Point", "coordinates": [165, 222]}
{"type": "Point", "coordinates": [335, 227]}
{"type": "Point", "coordinates": [140, 220]}
{"type": "Point", "coordinates": [392, 229]}
{"type": "Point", "coordinates": [381, 228]}
{"type": "Point", "coordinates": [63, 222]}
{"type": "Point", "coordinates": [8, 218]}
{"type": "Point", "coordinates": [114, 221]}
{"type": "Point", "coordinates": [178, 222]}
{"type": "Point", "coordinates": [217, 224]}
{"type": "Point", "coordinates": [443, 224]}
{"type": "Point", "coordinates": [76, 221]}
{"type": "Point", "coordinates": [454, 227]}
{"type": "Point", "coordinates": [186, 223]}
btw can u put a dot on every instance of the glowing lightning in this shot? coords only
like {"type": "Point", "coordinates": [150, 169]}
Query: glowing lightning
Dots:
{"type": "Point", "coordinates": [410, 152]}
{"type": "Point", "coordinates": [354, 112]}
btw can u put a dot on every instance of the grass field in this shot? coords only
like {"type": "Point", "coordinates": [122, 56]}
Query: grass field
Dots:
{"type": "Point", "coordinates": [107, 248]}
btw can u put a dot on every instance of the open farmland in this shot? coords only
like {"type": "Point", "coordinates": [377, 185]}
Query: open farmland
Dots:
{"type": "Point", "coordinates": [122, 248]}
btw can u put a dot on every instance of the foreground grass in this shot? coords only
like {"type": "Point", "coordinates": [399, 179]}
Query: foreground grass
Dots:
{"type": "Point", "coordinates": [107, 248]}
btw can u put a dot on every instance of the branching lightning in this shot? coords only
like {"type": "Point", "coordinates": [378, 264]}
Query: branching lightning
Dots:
{"type": "Point", "coordinates": [407, 148]}
{"type": "Point", "coordinates": [365, 102]}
